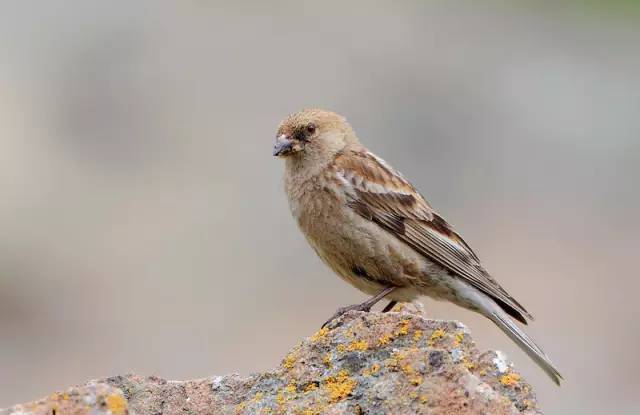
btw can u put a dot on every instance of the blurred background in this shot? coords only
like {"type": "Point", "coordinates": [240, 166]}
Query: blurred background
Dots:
{"type": "Point", "coordinates": [143, 226]}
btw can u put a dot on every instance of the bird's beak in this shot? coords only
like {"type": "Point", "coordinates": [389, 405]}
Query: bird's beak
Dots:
{"type": "Point", "coordinates": [283, 147]}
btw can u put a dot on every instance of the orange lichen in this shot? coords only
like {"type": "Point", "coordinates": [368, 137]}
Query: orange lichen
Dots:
{"type": "Point", "coordinates": [289, 361]}
{"type": "Point", "coordinates": [403, 330]}
{"type": "Point", "coordinates": [327, 359]}
{"type": "Point", "coordinates": [320, 334]}
{"type": "Point", "coordinates": [340, 386]}
{"type": "Point", "coordinates": [394, 362]}
{"type": "Point", "coordinates": [385, 340]}
{"type": "Point", "coordinates": [416, 380]}
{"type": "Point", "coordinates": [375, 368]}
{"type": "Point", "coordinates": [468, 364]}
{"type": "Point", "coordinates": [435, 336]}
{"type": "Point", "coordinates": [458, 338]}
{"type": "Point", "coordinates": [310, 387]}
{"type": "Point", "coordinates": [423, 399]}
{"type": "Point", "coordinates": [407, 369]}
{"type": "Point", "coordinates": [116, 404]}
{"type": "Point", "coordinates": [241, 407]}
{"type": "Point", "coordinates": [361, 345]}
{"type": "Point", "coordinates": [510, 379]}
{"type": "Point", "coordinates": [291, 387]}
{"type": "Point", "coordinates": [398, 362]}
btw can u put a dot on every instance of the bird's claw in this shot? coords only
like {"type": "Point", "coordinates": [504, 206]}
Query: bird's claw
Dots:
{"type": "Point", "coordinates": [343, 310]}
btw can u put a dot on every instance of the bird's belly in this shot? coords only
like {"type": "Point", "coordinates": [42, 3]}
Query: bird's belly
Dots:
{"type": "Point", "coordinates": [370, 258]}
{"type": "Point", "coordinates": [360, 252]}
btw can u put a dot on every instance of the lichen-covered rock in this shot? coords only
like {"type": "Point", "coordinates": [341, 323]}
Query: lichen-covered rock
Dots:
{"type": "Point", "coordinates": [95, 398]}
{"type": "Point", "coordinates": [363, 363]}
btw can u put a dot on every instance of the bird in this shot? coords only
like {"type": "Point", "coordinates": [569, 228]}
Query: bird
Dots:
{"type": "Point", "coordinates": [371, 226]}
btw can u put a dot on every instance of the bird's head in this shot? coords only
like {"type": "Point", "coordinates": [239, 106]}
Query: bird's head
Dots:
{"type": "Point", "coordinates": [313, 134]}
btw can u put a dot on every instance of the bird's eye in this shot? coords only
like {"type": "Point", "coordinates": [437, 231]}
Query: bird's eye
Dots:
{"type": "Point", "coordinates": [311, 129]}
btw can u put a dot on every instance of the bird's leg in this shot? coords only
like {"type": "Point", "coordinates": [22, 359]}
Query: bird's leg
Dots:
{"type": "Point", "coordinates": [389, 306]}
{"type": "Point", "coordinates": [366, 306]}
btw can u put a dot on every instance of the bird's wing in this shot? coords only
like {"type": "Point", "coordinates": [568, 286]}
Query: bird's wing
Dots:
{"type": "Point", "coordinates": [382, 195]}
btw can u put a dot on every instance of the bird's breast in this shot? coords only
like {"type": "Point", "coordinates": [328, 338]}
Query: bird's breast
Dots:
{"type": "Point", "coordinates": [350, 244]}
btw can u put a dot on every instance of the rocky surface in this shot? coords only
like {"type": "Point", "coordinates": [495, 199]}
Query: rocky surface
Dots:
{"type": "Point", "coordinates": [363, 363]}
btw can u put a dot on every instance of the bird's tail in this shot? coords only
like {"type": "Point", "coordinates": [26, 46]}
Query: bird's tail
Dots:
{"type": "Point", "coordinates": [525, 342]}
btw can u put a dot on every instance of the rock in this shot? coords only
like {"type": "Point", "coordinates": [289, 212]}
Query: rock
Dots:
{"type": "Point", "coordinates": [363, 363]}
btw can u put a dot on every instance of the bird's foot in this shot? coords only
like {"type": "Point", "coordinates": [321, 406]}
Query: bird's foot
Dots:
{"type": "Point", "coordinates": [389, 306]}
{"type": "Point", "coordinates": [366, 307]}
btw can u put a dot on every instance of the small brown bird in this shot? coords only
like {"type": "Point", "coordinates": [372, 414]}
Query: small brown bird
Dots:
{"type": "Point", "coordinates": [374, 229]}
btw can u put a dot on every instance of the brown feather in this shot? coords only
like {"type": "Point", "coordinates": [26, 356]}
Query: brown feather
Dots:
{"type": "Point", "coordinates": [385, 197]}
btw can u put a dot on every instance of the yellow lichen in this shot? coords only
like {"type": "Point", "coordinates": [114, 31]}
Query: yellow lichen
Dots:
{"type": "Point", "coordinates": [423, 399]}
{"type": "Point", "coordinates": [327, 359]}
{"type": "Point", "coordinates": [375, 368]}
{"type": "Point", "coordinates": [413, 395]}
{"type": "Point", "coordinates": [116, 404]}
{"type": "Point", "coordinates": [291, 387]}
{"type": "Point", "coordinates": [289, 361]}
{"type": "Point", "coordinates": [435, 336]}
{"type": "Point", "coordinates": [361, 345]}
{"type": "Point", "coordinates": [483, 372]}
{"type": "Point", "coordinates": [258, 397]}
{"type": "Point", "coordinates": [395, 360]}
{"type": "Point", "coordinates": [510, 379]}
{"type": "Point", "coordinates": [341, 348]}
{"type": "Point", "coordinates": [320, 334]}
{"type": "Point", "coordinates": [240, 407]}
{"type": "Point", "coordinates": [310, 387]}
{"type": "Point", "coordinates": [407, 369]}
{"type": "Point", "coordinates": [416, 380]}
{"type": "Point", "coordinates": [403, 330]}
{"type": "Point", "coordinates": [458, 339]}
{"type": "Point", "coordinates": [340, 386]}
{"type": "Point", "coordinates": [385, 339]}
{"type": "Point", "coordinates": [417, 335]}
{"type": "Point", "coordinates": [468, 364]}
{"type": "Point", "coordinates": [280, 398]}
{"type": "Point", "coordinates": [314, 410]}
